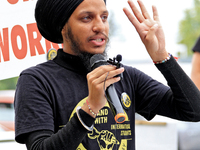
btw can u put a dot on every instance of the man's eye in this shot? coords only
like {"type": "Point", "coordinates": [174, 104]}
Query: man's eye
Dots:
{"type": "Point", "coordinates": [86, 18]}
{"type": "Point", "coordinates": [104, 18]}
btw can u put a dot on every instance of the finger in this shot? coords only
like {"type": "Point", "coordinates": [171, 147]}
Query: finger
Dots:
{"type": "Point", "coordinates": [109, 75]}
{"type": "Point", "coordinates": [111, 81]}
{"type": "Point", "coordinates": [101, 84]}
{"type": "Point", "coordinates": [97, 72]}
{"type": "Point", "coordinates": [144, 10]}
{"type": "Point", "coordinates": [131, 18]}
{"type": "Point", "coordinates": [101, 73]}
{"type": "Point", "coordinates": [155, 13]}
{"type": "Point", "coordinates": [136, 12]}
{"type": "Point", "coordinates": [115, 72]}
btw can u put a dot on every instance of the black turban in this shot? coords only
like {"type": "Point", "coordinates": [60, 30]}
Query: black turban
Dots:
{"type": "Point", "coordinates": [52, 15]}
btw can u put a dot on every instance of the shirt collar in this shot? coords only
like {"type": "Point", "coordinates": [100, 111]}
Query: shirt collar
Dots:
{"type": "Point", "coordinates": [71, 62]}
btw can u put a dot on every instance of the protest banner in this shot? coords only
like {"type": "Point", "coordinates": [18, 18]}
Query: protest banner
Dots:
{"type": "Point", "coordinates": [21, 44]}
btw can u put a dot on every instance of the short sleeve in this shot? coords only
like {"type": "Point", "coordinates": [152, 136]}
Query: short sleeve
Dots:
{"type": "Point", "coordinates": [32, 95]}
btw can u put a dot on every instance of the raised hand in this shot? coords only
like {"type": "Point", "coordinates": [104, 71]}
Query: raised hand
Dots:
{"type": "Point", "coordinates": [149, 30]}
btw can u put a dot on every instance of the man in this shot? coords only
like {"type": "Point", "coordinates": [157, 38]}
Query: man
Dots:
{"type": "Point", "coordinates": [195, 73]}
{"type": "Point", "coordinates": [60, 104]}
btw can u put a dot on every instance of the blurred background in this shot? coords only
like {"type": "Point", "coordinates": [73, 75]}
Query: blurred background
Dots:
{"type": "Point", "coordinates": [181, 23]}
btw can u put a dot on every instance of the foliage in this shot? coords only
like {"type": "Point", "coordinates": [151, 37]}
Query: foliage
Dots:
{"type": "Point", "coordinates": [189, 27]}
{"type": "Point", "coordinates": [8, 84]}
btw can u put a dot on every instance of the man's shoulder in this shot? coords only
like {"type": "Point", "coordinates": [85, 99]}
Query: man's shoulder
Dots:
{"type": "Point", "coordinates": [131, 69]}
{"type": "Point", "coordinates": [41, 68]}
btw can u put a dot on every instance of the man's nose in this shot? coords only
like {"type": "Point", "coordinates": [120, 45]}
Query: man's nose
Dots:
{"type": "Point", "coordinates": [99, 25]}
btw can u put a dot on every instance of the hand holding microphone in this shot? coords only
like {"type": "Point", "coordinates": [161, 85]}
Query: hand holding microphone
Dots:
{"type": "Point", "coordinates": [109, 74]}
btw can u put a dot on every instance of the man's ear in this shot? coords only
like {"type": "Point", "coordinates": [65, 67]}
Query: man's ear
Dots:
{"type": "Point", "coordinates": [63, 31]}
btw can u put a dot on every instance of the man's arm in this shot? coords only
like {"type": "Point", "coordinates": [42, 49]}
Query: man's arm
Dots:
{"type": "Point", "coordinates": [182, 102]}
{"type": "Point", "coordinates": [195, 73]}
{"type": "Point", "coordinates": [68, 137]}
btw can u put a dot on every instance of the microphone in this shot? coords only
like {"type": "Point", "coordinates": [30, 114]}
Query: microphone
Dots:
{"type": "Point", "coordinates": [98, 60]}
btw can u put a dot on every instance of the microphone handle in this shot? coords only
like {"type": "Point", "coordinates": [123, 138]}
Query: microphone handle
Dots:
{"type": "Point", "coordinates": [115, 105]}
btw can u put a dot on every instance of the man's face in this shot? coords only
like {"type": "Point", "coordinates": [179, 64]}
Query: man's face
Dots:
{"type": "Point", "coordinates": [87, 28]}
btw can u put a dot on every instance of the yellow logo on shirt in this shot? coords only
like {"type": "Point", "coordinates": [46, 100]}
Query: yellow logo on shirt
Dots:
{"type": "Point", "coordinates": [126, 101]}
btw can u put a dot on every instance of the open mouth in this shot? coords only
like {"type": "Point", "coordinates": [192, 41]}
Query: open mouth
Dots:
{"type": "Point", "coordinates": [98, 40]}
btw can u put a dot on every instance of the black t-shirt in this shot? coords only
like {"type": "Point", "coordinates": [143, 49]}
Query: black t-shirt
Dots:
{"type": "Point", "coordinates": [48, 94]}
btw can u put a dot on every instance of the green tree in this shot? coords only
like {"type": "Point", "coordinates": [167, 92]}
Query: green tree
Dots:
{"type": "Point", "coordinates": [189, 27]}
{"type": "Point", "coordinates": [8, 84]}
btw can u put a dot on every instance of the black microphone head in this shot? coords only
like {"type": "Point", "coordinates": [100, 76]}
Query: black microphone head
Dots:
{"type": "Point", "coordinates": [97, 60]}
{"type": "Point", "coordinates": [119, 57]}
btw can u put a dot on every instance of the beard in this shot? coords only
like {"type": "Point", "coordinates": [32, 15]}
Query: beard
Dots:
{"type": "Point", "coordinates": [75, 45]}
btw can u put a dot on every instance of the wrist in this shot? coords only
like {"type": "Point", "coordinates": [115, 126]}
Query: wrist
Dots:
{"type": "Point", "coordinates": [87, 108]}
{"type": "Point", "coordinates": [91, 110]}
{"type": "Point", "coordinates": [83, 119]}
{"type": "Point", "coordinates": [163, 60]}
